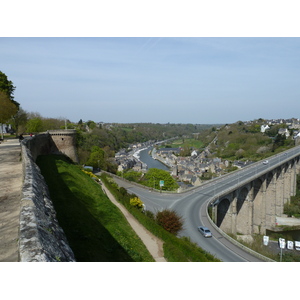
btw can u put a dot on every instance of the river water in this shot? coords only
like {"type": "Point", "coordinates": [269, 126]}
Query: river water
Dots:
{"type": "Point", "coordinates": [151, 163]}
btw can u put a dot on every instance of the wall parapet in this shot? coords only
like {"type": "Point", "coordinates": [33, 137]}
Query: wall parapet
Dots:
{"type": "Point", "coordinates": [41, 238]}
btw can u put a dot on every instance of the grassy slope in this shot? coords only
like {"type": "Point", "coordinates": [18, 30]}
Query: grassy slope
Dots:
{"type": "Point", "coordinates": [175, 249]}
{"type": "Point", "coordinates": [95, 228]}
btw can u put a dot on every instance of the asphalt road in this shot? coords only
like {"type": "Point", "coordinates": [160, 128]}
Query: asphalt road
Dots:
{"type": "Point", "coordinates": [192, 206]}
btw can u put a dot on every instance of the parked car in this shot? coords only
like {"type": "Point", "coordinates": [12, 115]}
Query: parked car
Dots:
{"type": "Point", "coordinates": [204, 231]}
{"type": "Point", "coordinates": [265, 162]}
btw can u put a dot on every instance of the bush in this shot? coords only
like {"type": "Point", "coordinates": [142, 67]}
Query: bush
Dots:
{"type": "Point", "coordinates": [136, 202]}
{"type": "Point", "coordinates": [170, 221]}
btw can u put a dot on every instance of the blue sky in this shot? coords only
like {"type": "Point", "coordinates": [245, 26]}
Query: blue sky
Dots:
{"type": "Point", "coordinates": [158, 80]}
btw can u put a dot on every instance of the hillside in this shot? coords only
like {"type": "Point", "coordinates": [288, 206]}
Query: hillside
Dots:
{"type": "Point", "coordinates": [245, 141]}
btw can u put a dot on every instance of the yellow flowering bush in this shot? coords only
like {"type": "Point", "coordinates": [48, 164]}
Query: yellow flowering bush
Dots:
{"type": "Point", "coordinates": [137, 202]}
{"type": "Point", "coordinates": [91, 174]}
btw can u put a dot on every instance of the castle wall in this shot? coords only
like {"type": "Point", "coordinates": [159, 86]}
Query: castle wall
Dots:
{"type": "Point", "coordinates": [41, 238]}
{"type": "Point", "coordinates": [64, 142]}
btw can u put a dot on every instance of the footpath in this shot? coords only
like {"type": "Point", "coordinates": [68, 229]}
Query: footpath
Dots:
{"type": "Point", "coordinates": [11, 178]}
{"type": "Point", "coordinates": [152, 243]}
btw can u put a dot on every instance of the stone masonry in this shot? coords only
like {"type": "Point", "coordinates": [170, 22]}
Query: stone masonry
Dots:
{"type": "Point", "coordinates": [41, 238]}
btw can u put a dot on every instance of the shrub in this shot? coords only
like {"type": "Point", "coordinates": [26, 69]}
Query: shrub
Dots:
{"type": "Point", "coordinates": [170, 221]}
{"type": "Point", "coordinates": [136, 202]}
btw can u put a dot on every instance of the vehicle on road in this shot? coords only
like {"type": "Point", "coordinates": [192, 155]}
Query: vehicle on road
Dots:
{"type": "Point", "coordinates": [204, 231]}
{"type": "Point", "coordinates": [265, 162]}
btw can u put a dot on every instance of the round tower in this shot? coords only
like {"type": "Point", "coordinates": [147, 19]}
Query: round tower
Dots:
{"type": "Point", "coordinates": [65, 142]}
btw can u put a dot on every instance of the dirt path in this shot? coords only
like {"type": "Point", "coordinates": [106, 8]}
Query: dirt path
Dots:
{"type": "Point", "coordinates": [152, 243]}
{"type": "Point", "coordinates": [11, 178]}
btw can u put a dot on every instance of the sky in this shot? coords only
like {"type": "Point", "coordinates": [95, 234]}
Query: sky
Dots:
{"type": "Point", "coordinates": [176, 64]}
{"type": "Point", "coordinates": [199, 80]}
{"type": "Point", "coordinates": [159, 61]}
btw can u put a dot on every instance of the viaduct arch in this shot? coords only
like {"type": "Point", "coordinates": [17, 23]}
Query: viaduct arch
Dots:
{"type": "Point", "coordinates": [252, 207]}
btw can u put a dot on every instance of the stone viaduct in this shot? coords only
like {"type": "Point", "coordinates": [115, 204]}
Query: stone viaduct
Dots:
{"type": "Point", "coordinates": [252, 206]}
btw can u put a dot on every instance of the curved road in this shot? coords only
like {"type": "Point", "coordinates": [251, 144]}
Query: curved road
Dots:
{"type": "Point", "coordinates": [192, 205]}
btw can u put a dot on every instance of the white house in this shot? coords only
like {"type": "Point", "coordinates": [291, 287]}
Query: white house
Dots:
{"type": "Point", "coordinates": [194, 153]}
{"type": "Point", "coordinates": [284, 131]}
{"type": "Point", "coordinates": [263, 128]}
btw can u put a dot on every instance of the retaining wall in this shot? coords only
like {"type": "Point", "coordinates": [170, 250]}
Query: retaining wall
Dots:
{"type": "Point", "coordinates": [41, 238]}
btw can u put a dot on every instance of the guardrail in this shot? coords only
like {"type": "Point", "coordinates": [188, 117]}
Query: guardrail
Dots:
{"type": "Point", "coordinates": [235, 242]}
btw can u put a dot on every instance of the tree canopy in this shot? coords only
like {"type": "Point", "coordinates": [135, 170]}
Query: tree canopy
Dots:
{"type": "Point", "coordinates": [154, 176]}
{"type": "Point", "coordinates": [8, 88]}
{"type": "Point", "coordinates": [97, 158]}
{"type": "Point", "coordinates": [8, 108]}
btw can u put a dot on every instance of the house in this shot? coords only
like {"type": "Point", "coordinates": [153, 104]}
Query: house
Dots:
{"type": "Point", "coordinates": [194, 153]}
{"type": "Point", "coordinates": [296, 134]}
{"type": "Point", "coordinates": [263, 128]}
{"type": "Point", "coordinates": [284, 131]}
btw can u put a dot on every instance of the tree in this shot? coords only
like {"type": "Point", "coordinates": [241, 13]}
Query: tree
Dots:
{"type": "Point", "coordinates": [19, 121]}
{"type": "Point", "coordinates": [154, 176]}
{"type": "Point", "coordinates": [169, 220]}
{"type": "Point", "coordinates": [97, 158]}
{"type": "Point", "coordinates": [132, 175]}
{"type": "Point", "coordinates": [8, 109]}
{"type": "Point", "coordinates": [34, 125]}
{"type": "Point", "coordinates": [8, 88]}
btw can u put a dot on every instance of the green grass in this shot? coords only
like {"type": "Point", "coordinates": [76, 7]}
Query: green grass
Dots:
{"type": "Point", "coordinates": [187, 142]}
{"type": "Point", "coordinates": [95, 228]}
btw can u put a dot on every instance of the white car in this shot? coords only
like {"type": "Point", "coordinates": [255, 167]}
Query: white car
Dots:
{"type": "Point", "coordinates": [204, 231]}
{"type": "Point", "coordinates": [265, 162]}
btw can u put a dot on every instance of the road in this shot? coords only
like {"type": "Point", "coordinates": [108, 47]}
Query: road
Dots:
{"type": "Point", "coordinates": [192, 206]}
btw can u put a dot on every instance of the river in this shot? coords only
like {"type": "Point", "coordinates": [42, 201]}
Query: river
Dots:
{"type": "Point", "coordinates": [151, 163]}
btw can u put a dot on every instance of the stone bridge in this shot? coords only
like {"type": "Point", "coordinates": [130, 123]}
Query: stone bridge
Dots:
{"type": "Point", "coordinates": [257, 197]}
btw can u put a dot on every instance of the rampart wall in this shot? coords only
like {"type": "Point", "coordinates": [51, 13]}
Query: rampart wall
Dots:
{"type": "Point", "coordinates": [41, 238]}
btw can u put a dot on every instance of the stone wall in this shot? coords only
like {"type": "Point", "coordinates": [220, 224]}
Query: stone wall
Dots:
{"type": "Point", "coordinates": [41, 237]}
{"type": "Point", "coordinates": [63, 141]}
